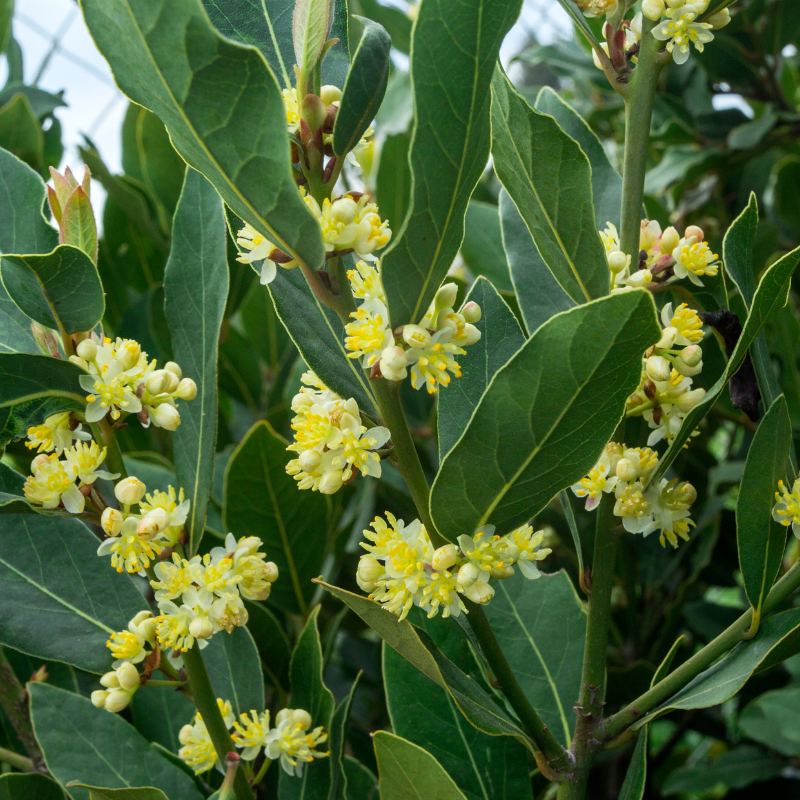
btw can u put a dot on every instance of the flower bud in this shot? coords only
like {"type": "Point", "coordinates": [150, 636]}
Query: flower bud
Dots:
{"type": "Point", "coordinates": [46, 341]}
{"type": "Point", "coordinates": [301, 401]}
{"type": "Point", "coordinates": [687, 494]}
{"type": "Point", "coordinates": [653, 9]}
{"type": "Point", "coordinates": [128, 676]}
{"type": "Point", "coordinates": [691, 355]}
{"type": "Point", "coordinates": [111, 521]}
{"type": "Point", "coordinates": [154, 522]}
{"type": "Point", "coordinates": [472, 335]}
{"type": "Point", "coordinates": [446, 296]}
{"type": "Point", "coordinates": [614, 452]}
{"type": "Point", "coordinates": [99, 698]}
{"type": "Point", "coordinates": [172, 367]}
{"type": "Point", "coordinates": [596, 58]}
{"type": "Point", "coordinates": [165, 416]}
{"type": "Point", "coordinates": [649, 233]}
{"type": "Point", "coordinates": [626, 470]}
{"type": "Point", "coordinates": [128, 354]}
{"type": "Point", "coordinates": [201, 628]}
{"type": "Point", "coordinates": [688, 400]}
{"type": "Point", "coordinates": [670, 239]}
{"type": "Point", "coordinates": [141, 617]}
{"type": "Point", "coordinates": [270, 571]}
{"type": "Point", "coordinates": [720, 19]}
{"type": "Point", "coordinates": [87, 349]}
{"type": "Point", "coordinates": [445, 557]}
{"type": "Point", "coordinates": [416, 336]}
{"type": "Point", "coordinates": [467, 575]}
{"type": "Point", "coordinates": [187, 389]}
{"type": "Point", "coordinates": [696, 232]}
{"type": "Point", "coordinates": [658, 368]}
{"type": "Point", "coordinates": [369, 570]}
{"type": "Point", "coordinates": [301, 718]}
{"type": "Point", "coordinates": [185, 734]}
{"type": "Point", "coordinates": [480, 592]}
{"type": "Point", "coordinates": [471, 312]}
{"type": "Point", "coordinates": [117, 700]}
{"type": "Point", "coordinates": [640, 279]}
{"type": "Point", "coordinates": [330, 94]}
{"type": "Point", "coordinates": [344, 210]}
{"type": "Point", "coordinates": [617, 261]}
{"type": "Point", "coordinates": [331, 482]}
{"type": "Point", "coordinates": [393, 363]}
{"type": "Point", "coordinates": [110, 680]}
{"type": "Point", "coordinates": [309, 460]}
{"type": "Point", "coordinates": [158, 381]}
{"type": "Point", "coordinates": [675, 3]}
{"type": "Point", "coordinates": [684, 369]}
{"type": "Point", "coordinates": [668, 336]}
{"type": "Point", "coordinates": [129, 491]}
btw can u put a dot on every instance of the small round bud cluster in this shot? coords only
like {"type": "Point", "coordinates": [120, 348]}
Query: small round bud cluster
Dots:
{"type": "Point", "coordinates": [121, 380]}
{"type": "Point", "coordinates": [402, 569]}
{"type": "Point", "coordinates": [120, 686]}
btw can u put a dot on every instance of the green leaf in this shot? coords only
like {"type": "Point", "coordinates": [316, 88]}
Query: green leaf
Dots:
{"type": "Point", "coordinates": [540, 626]}
{"type": "Point", "coordinates": [60, 290]}
{"type": "Point", "coordinates": [267, 25]}
{"type": "Point", "coordinates": [501, 337]}
{"type": "Point", "coordinates": [722, 681]}
{"type": "Point", "coordinates": [234, 668]}
{"type": "Point", "coordinates": [580, 20]}
{"type": "Point", "coordinates": [407, 772]}
{"type": "Point", "coordinates": [772, 720]}
{"type": "Point", "coordinates": [337, 739]}
{"type": "Point", "coordinates": [309, 32]}
{"type": "Point", "coordinates": [262, 500]}
{"type": "Point", "coordinates": [60, 601]}
{"type": "Point", "coordinates": [423, 713]}
{"type": "Point", "coordinates": [785, 175]}
{"type": "Point", "coordinates": [772, 293]}
{"type": "Point", "coordinates": [539, 294]}
{"type": "Point", "coordinates": [393, 19]}
{"type": "Point", "coordinates": [606, 181]}
{"type": "Point", "coordinates": [539, 426]}
{"type": "Point", "coordinates": [636, 776]}
{"type": "Point", "coordinates": [737, 250]}
{"type": "Point", "coordinates": [12, 500]}
{"type": "Point", "coordinates": [42, 103]}
{"type": "Point", "coordinates": [735, 769]}
{"type": "Point", "coordinates": [548, 177]}
{"type": "Point", "coordinates": [393, 181]}
{"type": "Point", "coordinates": [237, 139]}
{"type": "Point", "coordinates": [195, 291]}
{"type": "Point", "coordinates": [760, 539]}
{"type": "Point", "coordinates": [455, 47]}
{"type": "Point", "coordinates": [29, 786]}
{"type": "Point", "coordinates": [90, 745]}
{"type": "Point", "coordinates": [159, 712]}
{"type": "Point", "coordinates": [569, 515]}
{"type": "Point", "coordinates": [482, 248]}
{"type": "Point", "coordinates": [309, 693]}
{"type": "Point", "coordinates": [365, 87]}
{"type": "Point", "coordinates": [20, 131]}
{"type": "Point", "coordinates": [78, 224]}
{"type": "Point", "coordinates": [360, 783]}
{"type": "Point", "coordinates": [140, 793]}
{"type": "Point", "coordinates": [271, 643]}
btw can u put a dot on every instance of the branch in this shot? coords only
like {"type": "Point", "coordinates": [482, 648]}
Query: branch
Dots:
{"type": "Point", "coordinates": [14, 701]}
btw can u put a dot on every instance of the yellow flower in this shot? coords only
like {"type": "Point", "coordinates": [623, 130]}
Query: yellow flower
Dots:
{"type": "Point", "coordinates": [787, 506]}
{"type": "Point", "coordinates": [292, 109]}
{"type": "Point", "coordinates": [198, 749]}
{"type": "Point", "coordinates": [54, 434]}
{"type": "Point", "coordinates": [172, 626]}
{"type": "Point", "coordinates": [84, 460]}
{"type": "Point", "coordinates": [251, 734]}
{"type": "Point", "coordinates": [441, 592]}
{"type": "Point", "coordinates": [290, 742]}
{"type": "Point", "coordinates": [365, 281]}
{"type": "Point", "coordinates": [686, 322]}
{"type": "Point", "coordinates": [129, 551]}
{"type": "Point", "coordinates": [433, 365]}
{"type": "Point", "coordinates": [694, 259]}
{"type": "Point", "coordinates": [174, 578]}
{"type": "Point", "coordinates": [51, 484]}
{"type": "Point", "coordinates": [369, 334]}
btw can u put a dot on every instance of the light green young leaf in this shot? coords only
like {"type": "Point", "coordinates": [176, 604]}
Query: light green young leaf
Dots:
{"type": "Point", "coordinates": [454, 50]}
{"type": "Point", "coordinates": [309, 32]}
{"type": "Point", "coordinates": [234, 668]}
{"type": "Point", "coordinates": [78, 223]}
{"type": "Point", "coordinates": [20, 131]}
{"type": "Point", "coordinates": [262, 500]}
{"type": "Point", "coordinates": [60, 600]}
{"type": "Point", "coordinates": [501, 337]}
{"type": "Point", "coordinates": [60, 290]}
{"type": "Point", "coordinates": [539, 294]}
{"type": "Point", "coordinates": [540, 626]}
{"type": "Point", "coordinates": [760, 539]}
{"type": "Point", "coordinates": [541, 424]}
{"type": "Point", "coordinates": [364, 89]}
{"type": "Point", "coordinates": [772, 293]}
{"type": "Point", "coordinates": [408, 772]}
{"type": "Point", "coordinates": [29, 786]}
{"type": "Point", "coordinates": [548, 177]}
{"type": "Point", "coordinates": [195, 292]}
{"type": "Point", "coordinates": [89, 745]}
{"type": "Point", "coordinates": [236, 139]}
{"type": "Point", "coordinates": [482, 248]}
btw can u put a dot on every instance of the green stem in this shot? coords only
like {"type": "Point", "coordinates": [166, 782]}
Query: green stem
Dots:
{"type": "Point", "coordinates": [638, 115]}
{"type": "Point", "coordinates": [549, 746]}
{"type": "Point", "coordinates": [14, 701]}
{"type": "Point", "coordinates": [165, 683]}
{"type": "Point", "coordinates": [206, 703]}
{"type": "Point", "coordinates": [700, 661]}
{"type": "Point", "coordinates": [404, 452]}
{"type": "Point", "coordinates": [20, 762]}
{"type": "Point", "coordinates": [262, 772]}
{"type": "Point", "coordinates": [105, 436]}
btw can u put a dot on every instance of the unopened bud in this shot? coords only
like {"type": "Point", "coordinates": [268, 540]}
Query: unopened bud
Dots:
{"type": "Point", "coordinates": [158, 381]}
{"type": "Point", "coordinates": [302, 718]}
{"type": "Point", "coordinates": [344, 210]}
{"type": "Point", "coordinates": [614, 452]}
{"type": "Point", "coordinates": [309, 460]}
{"type": "Point", "coordinates": [416, 336]}
{"type": "Point", "coordinates": [696, 232]}
{"type": "Point", "coordinates": [688, 400]}
{"type": "Point", "coordinates": [154, 522]}
{"type": "Point", "coordinates": [653, 9]}
{"type": "Point", "coordinates": [172, 367]}
{"type": "Point", "coordinates": [270, 571]}
{"type": "Point", "coordinates": [165, 416]}
{"type": "Point", "coordinates": [86, 349]}
{"type": "Point", "coordinates": [691, 355]}
{"type": "Point", "coordinates": [187, 389]}
{"type": "Point", "coordinates": [301, 401]}
{"type": "Point", "coordinates": [596, 58]}
{"type": "Point", "coordinates": [446, 296]}
{"type": "Point", "coordinates": [128, 676]}
{"type": "Point", "coordinates": [128, 354]}
{"type": "Point", "coordinates": [111, 521]}
{"type": "Point", "coordinates": [720, 19]}
{"type": "Point", "coordinates": [626, 470]}
{"type": "Point", "coordinates": [110, 680]}
{"type": "Point", "coordinates": [313, 110]}
{"type": "Point", "coordinates": [670, 239]}
{"type": "Point", "coordinates": [99, 698]}
{"type": "Point", "coordinates": [369, 570]}
{"type": "Point", "coordinates": [617, 261]}
{"type": "Point", "coordinates": [201, 627]}
{"type": "Point", "coordinates": [445, 557]}
{"type": "Point", "coordinates": [117, 700]}
{"type": "Point", "coordinates": [141, 617]}
{"type": "Point", "coordinates": [467, 575]}
{"type": "Point", "coordinates": [675, 3]}
{"type": "Point", "coordinates": [640, 279]}
{"type": "Point", "coordinates": [129, 491]}
{"type": "Point", "coordinates": [687, 494]}
{"type": "Point", "coordinates": [471, 335]}
{"type": "Point", "coordinates": [393, 363]}
{"type": "Point", "coordinates": [331, 482]}
{"type": "Point", "coordinates": [330, 94]}
{"type": "Point", "coordinates": [658, 368]}
{"type": "Point", "coordinates": [471, 312]}
{"type": "Point", "coordinates": [480, 592]}
{"type": "Point", "coordinates": [45, 339]}
{"type": "Point", "coordinates": [649, 234]}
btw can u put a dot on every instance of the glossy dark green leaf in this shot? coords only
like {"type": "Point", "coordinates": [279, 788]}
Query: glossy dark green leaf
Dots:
{"type": "Point", "coordinates": [337, 739]}
{"type": "Point", "coordinates": [195, 291]}
{"type": "Point", "coordinates": [90, 745]}
{"type": "Point", "coordinates": [539, 294]}
{"type": "Point", "coordinates": [408, 772]}
{"type": "Point", "coordinates": [12, 500]}
{"type": "Point", "coordinates": [159, 713]}
{"type": "Point", "coordinates": [20, 131]}
{"type": "Point", "coordinates": [737, 768]}
{"type": "Point", "coordinates": [360, 784]}
{"type": "Point", "coordinates": [310, 693]}
{"type": "Point", "coordinates": [482, 248]}
{"type": "Point", "coordinates": [737, 250]}
{"type": "Point", "coordinates": [606, 181]}
{"type": "Point", "coordinates": [42, 103]}
{"type": "Point", "coordinates": [271, 643]}
{"type": "Point", "coordinates": [364, 89]}
{"type": "Point", "coordinates": [60, 290]}
{"type": "Point", "coordinates": [636, 776]}
{"type": "Point", "coordinates": [169, 58]}
{"type": "Point", "coordinates": [539, 427]}
{"type": "Point", "coordinates": [393, 19]}
{"type": "Point", "coordinates": [138, 793]}
{"type": "Point", "coordinates": [267, 25]}
{"type": "Point", "coordinates": [234, 668]}
{"type": "Point", "coordinates": [760, 539]}
{"type": "Point", "coordinates": [29, 786]}
{"type": "Point", "coordinates": [772, 719]}
{"type": "Point", "coordinates": [455, 47]}
{"type": "Point", "coordinates": [785, 175]}
{"type": "Point", "coordinates": [541, 626]}
{"type": "Point", "coordinates": [501, 337]}
{"type": "Point", "coordinates": [394, 179]}
{"type": "Point", "coordinates": [262, 500]}
{"type": "Point", "coordinates": [549, 179]}
{"type": "Point", "coordinates": [60, 601]}
{"type": "Point", "coordinates": [772, 294]}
